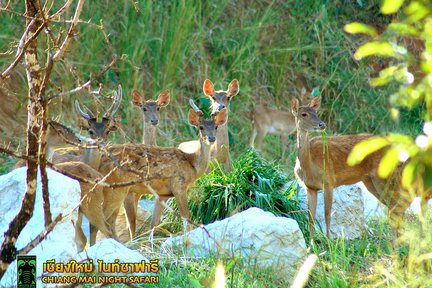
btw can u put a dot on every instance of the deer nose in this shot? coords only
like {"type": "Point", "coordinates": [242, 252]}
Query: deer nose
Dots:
{"type": "Point", "coordinates": [211, 139]}
{"type": "Point", "coordinates": [154, 121]}
{"type": "Point", "coordinates": [322, 125]}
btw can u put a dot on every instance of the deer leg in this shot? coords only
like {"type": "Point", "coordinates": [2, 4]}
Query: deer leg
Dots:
{"type": "Point", "coordinates": [284, 143]}
{"type": "Point", "coordinates": [253, 136]}
{"type": "Point", "coordinates": [260, 139]}
{"type": "Point", "coordinates": [131, 206]}
{"type": "Point", "coordinates": [328, 202]}
{"type": "Point", "coordinates": [80, 238]}
{"type": "Point", "coordinates": [312, 196]}
{"type": "Point", "coordinates": [157, 211]}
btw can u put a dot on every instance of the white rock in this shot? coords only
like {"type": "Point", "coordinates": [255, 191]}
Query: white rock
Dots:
{"type": "Point", "coordinates": [64, 197]}
{"type": "Point", "coordinates": [347, 218]}
{"type": "Point", "coordinates": [264, 239]}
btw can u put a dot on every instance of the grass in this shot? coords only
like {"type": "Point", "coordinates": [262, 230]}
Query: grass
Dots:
{"type": "Point", "coordinates": [269, 46]}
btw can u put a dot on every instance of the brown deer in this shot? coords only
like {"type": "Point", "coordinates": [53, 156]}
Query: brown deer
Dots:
{"type": "Point", "coordinates": [324, 170]}
{"type": "Point", "coordinates": [273, 121]}
{"type": "Point", "coordinates": [170, 171]}
{"type": "Point", "coordinates": [98, 131]}
{"type": "Point", "coordinates": [219, 100]}
{"type": "Point", "coordinates": [151, 112]}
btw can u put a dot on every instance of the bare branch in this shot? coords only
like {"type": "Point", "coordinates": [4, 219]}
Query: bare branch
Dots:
{"type": "Point", "coordinates": [40, 237]}
{"type": "Point", "coordinates": [69, 36]}
{"type": "Point", "coordinates": [88, 83]}
{"type": "Point", "coordinates": [18, 58]}
{"type": "Point", "coordinates": [61, 10]}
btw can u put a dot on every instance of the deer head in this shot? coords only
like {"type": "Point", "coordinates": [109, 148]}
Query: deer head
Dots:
{"type": "Point", "coordinates": [207, 127]}
{"type": "Point", "coordinates": [99, 130]}
{"type": "Point", "coordinates": [150, 108]}
{"type": "Point", "coordinates": [220, 99]}
{"type": "Point", "coordinates": [306, 116]}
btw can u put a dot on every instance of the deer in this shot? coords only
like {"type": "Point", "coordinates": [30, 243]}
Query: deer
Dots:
{"type": "Point", "coordinates": [317, 170]}
{"type": "Point", "coordinates": [267, 120]}
{"type": "Point", "coordinates": [151, 112]}
{"type": "Point", "coordinates": [219, 100]}
{"type": "Point", "coordinates": [170, 171]}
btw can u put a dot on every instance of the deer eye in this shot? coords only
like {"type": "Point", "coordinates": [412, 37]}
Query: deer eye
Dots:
{"type": "Point", "coordinates": [201, 127]}
{"type": "Point", "coordinates": [144, 109]}
{"type": "Point", "coordinates": [304, 114]}
{"type": "Point", "coordinates": [213, 97]}
{"type": "Point", "coordinates": [158, 108]}
{"type": "Point", "coordinates": [216, 127]}
{"type": "Point", "coordinates": [91, 132]}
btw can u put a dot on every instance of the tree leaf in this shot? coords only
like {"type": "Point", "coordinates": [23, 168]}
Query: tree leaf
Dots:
{"type": "Point", "coordinates": [365, 148]}
{"type": "Point", "coordinates": [375, 48]}
{"type": "Point", "coordinates": [408, 174]}
{"type": "Point", "coordinates": [388, 162]}
{"type": "Point", "coordinates": [391, 6]}
{"type": "Point", "coordinates": [356, 27]}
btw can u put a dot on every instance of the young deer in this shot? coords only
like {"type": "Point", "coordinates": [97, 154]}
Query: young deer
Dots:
{"type": "Point", "coordinates": [219, 100]}
{"type": "Point", "coordinates": [317, 170]}
{"type": "Point", "coordinates": [273, 121]}
{"type": "Point", "coordinates": [170, 171]}
{"type": "Point", "coordinates": [151, 111]}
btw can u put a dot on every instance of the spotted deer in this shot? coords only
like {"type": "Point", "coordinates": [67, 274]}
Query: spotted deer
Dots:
{"type": "Point", "coordinates": [219, 100]}
{"type": "Point", "coordinates": [273, 121]}
{"type": "Point", "coordinates": [169, 171]}
{"type": "Point", "coordinates": [324, 170]}
{"type": "Point", "coordinates": [151, 113]}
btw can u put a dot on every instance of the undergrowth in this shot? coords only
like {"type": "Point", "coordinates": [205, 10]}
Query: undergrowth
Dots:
{"type": "Point", "coordinates": [253, 182]}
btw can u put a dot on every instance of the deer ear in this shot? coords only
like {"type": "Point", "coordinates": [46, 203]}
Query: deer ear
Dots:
{"type": "Point", "coordinates": [193, 117]}
{"type": "Point", "coordinates": [136, 98]}
{"type": "Point", "coordinates": [208, 88]}
{"type": "Point", "coordinates": [294, 106]}
{"type": "Point", "coordinates": [221, 117]}
{"type": "Point", "coordinates": [233, 88]}
{"type": "Point", "coordinates": [164, 98]}
{"type": "Point", "coordinates": [315, 103]}
{"type": "Point", "coordinates": [83, 124]}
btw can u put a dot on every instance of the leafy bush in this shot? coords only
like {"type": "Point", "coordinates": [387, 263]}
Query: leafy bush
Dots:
{"type": "Point", "coordinates": [253, 182]}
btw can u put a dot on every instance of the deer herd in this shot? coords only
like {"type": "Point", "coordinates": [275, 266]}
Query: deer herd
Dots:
{"type": "Point", "coordinates": [170, 172]}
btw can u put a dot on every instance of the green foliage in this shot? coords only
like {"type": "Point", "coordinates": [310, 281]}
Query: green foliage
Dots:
{"type": "Point", "coordinates": [412, 74]}
{"type": "Point", "coordinates": [253, 182]}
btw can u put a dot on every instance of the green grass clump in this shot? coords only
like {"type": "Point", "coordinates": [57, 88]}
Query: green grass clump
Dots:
{"type": "Point", "coordinates": [253, 182]}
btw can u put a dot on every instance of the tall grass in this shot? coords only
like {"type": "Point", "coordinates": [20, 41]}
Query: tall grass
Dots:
{"type": "Point", "coordinates": [267, 45]}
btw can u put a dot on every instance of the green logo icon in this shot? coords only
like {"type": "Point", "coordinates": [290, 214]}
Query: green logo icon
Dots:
{"type": "Point", "coordinates": [26, 271]}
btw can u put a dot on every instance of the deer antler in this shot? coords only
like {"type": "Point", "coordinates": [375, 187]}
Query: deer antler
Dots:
{"type": "Point", "coordinates": [195, 107]}
{"type": "Point", "coordinates": [116, 103]}
{"type": "Point", "coordinates": [87, 115]}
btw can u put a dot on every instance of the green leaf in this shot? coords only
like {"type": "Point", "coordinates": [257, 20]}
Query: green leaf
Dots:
{"type": "Point", "coordinates": [365, 148]}
{"type": "Point", "coordinates": [391, 6]}
{"type": "Point", "coordinates": [408, 174]}
{"type": "Point", "coordinates": [388, 163]}
{"type": "Point", "coordinates": [357, 27]}
{"type": "Point", "coordinates": [375, 48]}
{"type": "Point", "coordinates": [403, 29]}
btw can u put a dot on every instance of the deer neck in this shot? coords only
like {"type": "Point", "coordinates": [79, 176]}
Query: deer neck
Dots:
{"type": "Point", "coordinates": [92, 157]}
{"type": "Point", "coordinates": [222, 136]}
{"type": "Point", "coordinates": [303, 147]}
{"type": "Point", "coordinates": [202, 157]}
{"type": "Point", "coordinates": [149, 137]}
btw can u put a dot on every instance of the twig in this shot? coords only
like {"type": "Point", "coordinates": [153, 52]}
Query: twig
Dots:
{"type": "Point", "coordinates": [87, 84]}
{"type": "Point", "coordinates": [61, 10]}
{"type": "Point", "coordinates": [40, 237]}
{"type": "Point", "coordinates": [18, 58]}
{"type": "Point", "coordinates": [69, 36]}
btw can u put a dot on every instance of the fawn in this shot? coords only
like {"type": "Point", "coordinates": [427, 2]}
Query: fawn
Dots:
{"type": "Point", "coordinates": [266, 120]}
{"type": "Point", "coordinates": [151, 111]}
{"type": "Point", "coordinates": [219, 100]}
